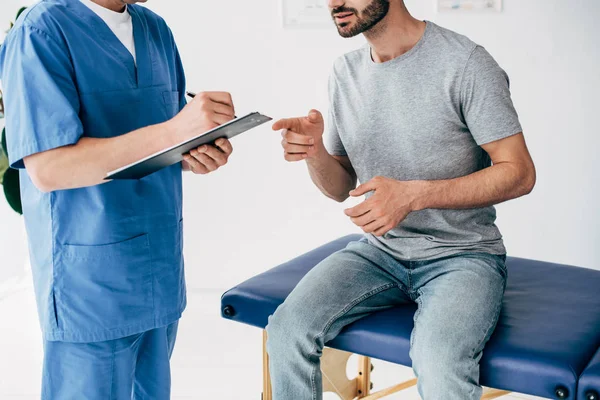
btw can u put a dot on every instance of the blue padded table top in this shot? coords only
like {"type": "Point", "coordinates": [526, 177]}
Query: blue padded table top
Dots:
{"type": "Point", "coordinates": [589, 382]}
{"type": "Point", "coordinates": [548, 331]}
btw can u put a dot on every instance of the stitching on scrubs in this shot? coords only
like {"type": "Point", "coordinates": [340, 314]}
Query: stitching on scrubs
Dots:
{"type": "Point", "coordinates": [142, 21]}
{"type": "Point", "coordinates": [99, 335]}
{"type": "Point", "coordinates": [336, 317]}
{"type": "Point", "coordinates": [112, 370]}
{"type": "Point", "coordinates": [54, 307]}
{"type": "Point", "coordinates": [43, 33]}
{"type": "Point", "coordinates": [45, 379]}
{"type": "Point", "coordinates": [94, 92]}
{"type": "Point", "coordinates": [54, 273]}
{"type": "Point", "coordinates": [152, 284]}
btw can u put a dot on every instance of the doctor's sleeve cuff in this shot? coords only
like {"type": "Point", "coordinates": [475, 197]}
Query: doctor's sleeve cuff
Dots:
{"type": "Point", "coordinates": [20, 150]}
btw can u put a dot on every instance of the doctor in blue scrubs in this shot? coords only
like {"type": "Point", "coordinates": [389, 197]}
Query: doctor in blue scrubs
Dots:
{"type": "Point", "coordinates": [91, 86]}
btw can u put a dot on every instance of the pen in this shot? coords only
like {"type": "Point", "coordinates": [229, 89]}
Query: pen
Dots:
{"type": "Point", "coordinates": [192, 95]}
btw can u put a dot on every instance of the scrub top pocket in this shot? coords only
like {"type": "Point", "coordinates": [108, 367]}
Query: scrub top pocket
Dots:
{"type": "Point", "coordinates": [102, 285]}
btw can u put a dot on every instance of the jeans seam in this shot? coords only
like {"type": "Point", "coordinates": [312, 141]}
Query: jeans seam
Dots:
{"type": "Point", "coordinates": [416, 316]}
{"type": "Point", "coordinates": [488, 333]}
{"type": "Point", "coordinates": [335, 318]}
{"type": "Point", "coordinates": [409, 270]}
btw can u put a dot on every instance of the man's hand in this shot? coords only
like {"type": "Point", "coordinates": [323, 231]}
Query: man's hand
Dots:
{"type": "Point", "coordinates": [302, 137]}
{"type": "Point", "coordinates": [303, 140]}
{"type": "Point", "coordinates": [206, 159]}
{"type": "Point", "coordinates": [390, 204]}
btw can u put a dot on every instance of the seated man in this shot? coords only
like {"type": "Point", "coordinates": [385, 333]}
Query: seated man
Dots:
{"type": "Point", "coordinates": [418, 116]}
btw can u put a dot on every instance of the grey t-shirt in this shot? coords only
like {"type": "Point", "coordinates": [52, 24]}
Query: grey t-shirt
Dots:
{"type": "Point", "coordinates": [424, 116]}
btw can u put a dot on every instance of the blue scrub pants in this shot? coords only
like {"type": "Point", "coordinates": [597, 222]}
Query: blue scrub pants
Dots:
{"type": "Point", "coordinates": [135, 367]}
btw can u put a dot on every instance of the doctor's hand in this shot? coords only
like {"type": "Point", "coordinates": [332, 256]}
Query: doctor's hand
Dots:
{"type": "Point", "coordinates": [205, 112]}
{"type": "Point", "coordinates": [302, 137]}
{"type": "Point", "coordinates": [206, 159]}
{"type": "Point", "coordinates": [389, 205]}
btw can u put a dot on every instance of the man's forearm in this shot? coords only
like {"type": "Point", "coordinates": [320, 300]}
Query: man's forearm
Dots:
{"type": "Point", "coordinates": [330, 176]}
{"type": "Point", "coordinates": [493, 185]}
{"type": "Point", "coordinates": [87, 162]}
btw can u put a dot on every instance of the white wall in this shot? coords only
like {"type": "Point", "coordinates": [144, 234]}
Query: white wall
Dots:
{"type": "Point", "coordinates": [260, 210]}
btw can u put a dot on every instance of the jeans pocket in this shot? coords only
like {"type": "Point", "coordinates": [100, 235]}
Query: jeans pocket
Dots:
{"type": "Point", "coordinates": [498, 262]}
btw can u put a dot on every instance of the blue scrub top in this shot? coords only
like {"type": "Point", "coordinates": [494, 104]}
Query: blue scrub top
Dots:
{"type": "Point", "coordinates": [107, 260]}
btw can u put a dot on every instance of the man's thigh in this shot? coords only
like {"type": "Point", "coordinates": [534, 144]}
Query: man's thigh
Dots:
{"type": "Point", "coordinates": [348, 285]}
{"type": "Point", "coordinates": [459, 301]}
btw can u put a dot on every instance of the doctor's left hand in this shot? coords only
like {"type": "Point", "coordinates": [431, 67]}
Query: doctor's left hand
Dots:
{"type": "Point", "coordinates": [389, 205]}
{"type": "Point", "coordinates": [206, 159]}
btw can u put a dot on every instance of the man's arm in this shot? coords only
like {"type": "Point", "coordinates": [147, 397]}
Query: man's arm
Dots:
{"type": "Point", "coordinates": [87, 162]}
{"type": "Point", "coordinates": [303, 140]}
{"type": "Point", "coordinates": [333, 175]}
{"type": "Point", "coordinates": [512, 175]}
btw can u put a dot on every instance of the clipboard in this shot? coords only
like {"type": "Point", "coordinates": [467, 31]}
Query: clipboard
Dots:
{"type": "Point", "coordinates": [174, 154]}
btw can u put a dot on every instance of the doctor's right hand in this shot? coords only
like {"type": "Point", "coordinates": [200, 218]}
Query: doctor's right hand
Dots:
{"type": "Point", "coordinates": [205, 112]}
{"type": "Point", "coordinates": [302, 137]}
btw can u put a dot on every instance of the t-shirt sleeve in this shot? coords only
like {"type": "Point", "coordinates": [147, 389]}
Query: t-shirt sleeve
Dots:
{"type": "Point", "coordinates": [41, 98]}
{"type": "Point", "coordinates": [333, 142]}
{"type": "Point", "coordinates": [486, 102]}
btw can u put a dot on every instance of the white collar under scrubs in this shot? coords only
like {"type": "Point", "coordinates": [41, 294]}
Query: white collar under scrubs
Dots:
{"type": "Point", "coordinates": [119, 23]}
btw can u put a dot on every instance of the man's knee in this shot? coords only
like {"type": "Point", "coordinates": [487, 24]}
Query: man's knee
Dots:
{"type": "Point", "coordinates": [297, 326]}
{"type": "Point", "coordinates": [285, 330]}
{"type": "Point", "coordinates": [297, 323]}
{"type": "Point", "coordinates": [276, 333]}
{"type": "Point", "coordinates": [438, 363]}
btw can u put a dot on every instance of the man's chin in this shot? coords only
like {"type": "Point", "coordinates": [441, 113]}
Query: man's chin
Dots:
{"type": "Point", "coordinates": [346, 31]}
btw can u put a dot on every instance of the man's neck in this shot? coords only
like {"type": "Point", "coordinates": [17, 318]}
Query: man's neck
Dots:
{"type": "Point", "coordinates": [396, 34]}
{"type": "Point", "coordinates": [113, 5]}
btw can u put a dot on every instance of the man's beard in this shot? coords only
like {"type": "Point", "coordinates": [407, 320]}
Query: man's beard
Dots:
{"type": "Point", "coordinates": [370, 16]}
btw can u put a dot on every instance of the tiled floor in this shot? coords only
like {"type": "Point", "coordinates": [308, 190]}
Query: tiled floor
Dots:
{"type": "Point", "coordinates": [213, 359]}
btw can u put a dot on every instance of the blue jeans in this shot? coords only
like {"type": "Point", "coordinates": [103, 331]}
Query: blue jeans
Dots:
{"type": "Point", "coordinates": [134, 367]}
{"type": "Point", "coordinates": [458, 297]}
